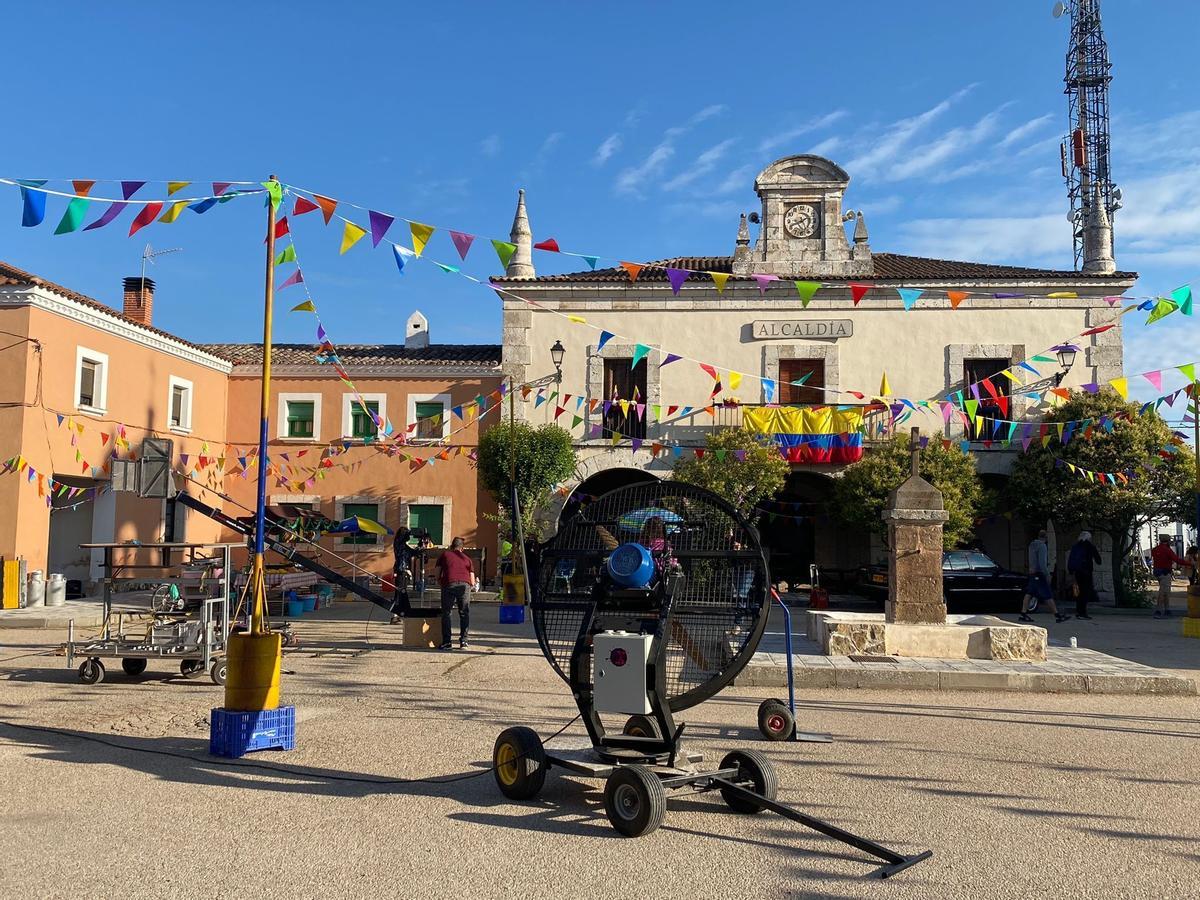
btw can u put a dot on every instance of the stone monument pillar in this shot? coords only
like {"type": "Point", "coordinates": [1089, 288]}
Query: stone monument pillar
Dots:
{"type": "Point", "coordinates": [915, 515]}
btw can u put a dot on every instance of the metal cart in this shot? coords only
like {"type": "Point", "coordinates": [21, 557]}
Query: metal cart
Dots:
{"type": "Point", "coordinates": [188, 624]}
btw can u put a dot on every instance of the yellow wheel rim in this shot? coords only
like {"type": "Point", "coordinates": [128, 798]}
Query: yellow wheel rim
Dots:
{"type": "Point", "coordinates": [506, 764]}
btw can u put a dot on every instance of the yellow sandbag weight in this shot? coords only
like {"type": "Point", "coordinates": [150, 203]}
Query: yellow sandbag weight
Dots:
{"type": "Point", "coordinates": [252, 676]}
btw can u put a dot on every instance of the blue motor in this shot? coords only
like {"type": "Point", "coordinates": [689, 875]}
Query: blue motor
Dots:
{"type": "Point", "coordinates": [631, 566]}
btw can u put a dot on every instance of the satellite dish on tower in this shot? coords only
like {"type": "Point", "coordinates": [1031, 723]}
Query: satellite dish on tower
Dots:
{"type": "Point", "coordinates": [1059, 9]}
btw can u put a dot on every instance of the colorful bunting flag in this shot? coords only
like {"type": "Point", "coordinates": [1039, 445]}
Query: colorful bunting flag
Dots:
{"type": "Point", "coordinates": [858, 291]}
{"type": "Point", "coordinates": [462, 243]}
{"type": "Point", "coordinates": [351, 235]}
{"type": "Point", "coordinates": [719, 279]}
{"type": "Point", "coordinates": [633, 269]}
{"type": "Point", "coordinates": [420, 236]}
{"type": "Point", "coordinates": [128, 189]}
{"type": "Point", "coordinates": [327, 204]}
{"type": "Point", "coordinates": [763, 281]}
{"type": "Point", "coordinates": [677, 277]}
{"type": "Point", "coordinates": [639, 353]}
{"type": "Point", "coordinates": [578, 320]}
{"type": "Point", "coordinates": [605, 337]}
{"type": "Point", "coordinates": [1121, 386]}
{"type": "Point", "coordinates": [909, 296]}
{"type": "Point", "coordinates": [175, 186]}
{"type": "Point", "coordinates": [33, 204]}
{"type": "Point", "coordinates": [885, 389]}
{"type": "Point", "coordinates": [671, 357]}
{"type": "Point", "coordinates": [591, 261]}
{"type": "Point", "coordinates": [148, 214]}
{"type": "Point", "coordinates": [1162, 308]}
{"type": "Point", "coordinates": [956, 297]}
{"type": "Point", "coordinates": [380, 223]}
{"type": "Point", "coordinates": [806, 290]}
{"type": "Point", "coordinates": [550, 245]}
{"type": "Point", "coordinates": [306, 306]}
{"type": "Point", "coordinates": [303, 205]}
{"type": "Point", "coordinates": [504, 250]}
{"type": "Point", "coordinates": [1062, 295]}
{"type": "Point", "coordinates": [1183, 296]}
{"type": "Point", "coordinates": [73, 217]}
{"type": "Point", "coordinates": [401, 253]}
{"type": "Point", "coordinates": [174, 211]}
{"type": "Point", "coordinates": [287, 255]}
{"type": "Point", "coordinates": [296, 278]}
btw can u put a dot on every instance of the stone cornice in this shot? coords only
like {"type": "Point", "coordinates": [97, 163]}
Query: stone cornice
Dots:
{"type": "Point", "coordinates": [113, 324]}
{"type": "Point", "coordinates": [316, 370]}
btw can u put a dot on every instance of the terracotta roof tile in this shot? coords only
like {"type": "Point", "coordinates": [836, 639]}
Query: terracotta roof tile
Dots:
{"type": "Point", "coordinates": [888, 267]}
{"type": "Point", "coordinates": [363, 354]}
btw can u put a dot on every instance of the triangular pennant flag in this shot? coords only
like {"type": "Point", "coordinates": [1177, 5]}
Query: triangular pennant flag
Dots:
{"type": "Point", "coordinates": [1121, 386]}
{"type": "Point", "coordinates": [806, 290]}
{"type": "Point", "coordinates": [82, 187]}
{"type": "Point", "coordinates": [128, 189]}
{"type": "Point", "coordinates": [578, 320]}
{"type": "Point", "coordinates": [33, 204]}
{"type": "Point", "coordinates": [380, 223]}
{"type": "Point", "coordinates": [956, 297]}
{"type": "Point", "coordinates": [303, 205]}
{"type": "Point", "coordinates": [1183, 296]}
{"type": "Point", "coordinates": [174, 186]}
{"type": "Point", "coordinates": [447, 268]}
{"type": "Point", "coordinates": [719, 279]}
{"type": "Point", "coordinates": [735, 380]}
{"type": "Point", "coordinates": [885, 389]}
{"type": "Point", "coordinates": [909, 296]}
{"type": "Point", "coordinates": [327, 204]}
{"type": "Point", "coordinates": [296, 278]}
{"type": "Point", "coordinates": [420, 236]}
{"type": "Point", "coordinates": [401, 253]}
{"type": "Point", "coordinates": [1162, 308]}
{"type": "Point", "coordinates": [462, 242]}
{"type": "Point", "coordinates": [351, 235]}
{"type": "Point", "coordinates": [605, 337]}
{"type": "Point", "coordinates": [148, 214]}
{"type": "Point", "coordinates": [712, 372]}
{"type": "Point", "coordinates": [306, 306]}
{"type": "Point", "coordinates": [1155, 378]}
{"type": "Point", "coordinates": [677, 277]}
{"type": "Point", "coordinates": [768, 386]}
{"type": "Point", "coordinates": [633, 269]}
{"type": "Point", "coordinates": [763, 281]}
{"type": "Point", "coordinates": [858, 291]}
{"type": "Point", "coordinates": [550, 245]}
{"type": "Point", "coordinates": [639, 353]}
{"type": "Point", "coordinates": [671, 357]}
{"type": "Point", "coordinates": [73, 217]}
{"type": "Point", "coordinates": [504, 250]}
{"type": "Point", "coordinates": [174, 211]}
{"type": "Point", "coordinates": [288, 255]}
{"type": "Point", "coordinates": [1189, 371]}
{"type": "Point", "coordinates": [220, 187]}
{"type": "Point", "coordinates": [1099, 329]}
{"type": "Point", "coordinates": [1062, 295]}
{"type": "Point", "coordinates": [591, 261]}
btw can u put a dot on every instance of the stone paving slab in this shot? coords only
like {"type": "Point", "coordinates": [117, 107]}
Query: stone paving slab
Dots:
{"type": "Point", "coordinates": [1066, 670]}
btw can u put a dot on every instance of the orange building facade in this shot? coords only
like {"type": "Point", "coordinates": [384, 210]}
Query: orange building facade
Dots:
{"type": "Point", "coordinates": [81, 381]}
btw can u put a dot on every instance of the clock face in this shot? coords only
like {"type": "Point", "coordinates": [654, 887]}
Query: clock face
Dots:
{"type": "Point", "coordinates": [801, 221]}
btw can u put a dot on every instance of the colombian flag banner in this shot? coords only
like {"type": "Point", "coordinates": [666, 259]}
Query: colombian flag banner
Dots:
{"type": "Point", "coordinates": [810, 435]}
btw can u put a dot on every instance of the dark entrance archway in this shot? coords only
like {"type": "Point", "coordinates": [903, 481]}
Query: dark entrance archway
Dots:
{"type": "Point", "coordinates": [599, 484]}
{"type": "Point", "coordinates": [794, 526]}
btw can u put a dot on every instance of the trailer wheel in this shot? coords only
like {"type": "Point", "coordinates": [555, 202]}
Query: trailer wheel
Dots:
{"type": "Point", "coordinates": [133, 666]}
{"type": "Point", "coordinates": [641, 726]}
{"type": "Point", "coordinates": [218, 672]}
{"type": "Point", "coordinates": [91, 671]}
{"type": "Point", "coordinates": [191, 668]}
{"type": "Point", "coordinates": [519, 763]}
{"type": "Point", "coordinates": [775, 720]}
{"type": "Point", "coordinates": [634, 800]}
{"type": "Point", "coordinates": [755, 772]}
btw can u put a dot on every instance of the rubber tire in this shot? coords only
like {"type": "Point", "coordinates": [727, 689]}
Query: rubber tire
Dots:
{"type": "Point", "coordinates": [191, 668]}
{"type": "Point", "coordinates": [641, 786]}
{"type": "Point", "coordinates": [755, 768]}
{"type": "Point", "coordinates": [526, 755]}
{"type": "Point", "coordinates": [775, 720]}
{"type": "Point", "coordinates": [217, 672]}
{"type": "Point", "coordinates": [91, 671]}
{"type": "Point", "coordinates": [133, 666]}
{"type": "Point", "coordinates": [641, 726]}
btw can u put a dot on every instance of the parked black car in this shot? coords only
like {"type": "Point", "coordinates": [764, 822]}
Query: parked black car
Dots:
{"type": "Point", "coordinates": [972, 582]}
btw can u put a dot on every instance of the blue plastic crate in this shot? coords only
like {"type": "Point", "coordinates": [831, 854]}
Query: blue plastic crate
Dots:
{"type": "Point", "coordinates": [235, 734]}
{"type": "Point", "coordinates": [511, 614]}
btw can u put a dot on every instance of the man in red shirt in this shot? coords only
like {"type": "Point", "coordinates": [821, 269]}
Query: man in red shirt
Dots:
{"type": "Point", "coordinates": [455, 575]}
{"type": "Point", "coordinates": [1164, 559]}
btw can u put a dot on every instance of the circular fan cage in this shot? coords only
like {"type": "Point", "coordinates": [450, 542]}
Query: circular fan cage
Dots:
{"type": "Point", "coordinates": [713, 557]}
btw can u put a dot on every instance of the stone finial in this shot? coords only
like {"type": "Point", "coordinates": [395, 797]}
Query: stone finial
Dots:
{"type": "Point", "coordinates": [1097, 238]}
{"type": "Point", "coordinates": [860, 228]}
{"type": "Point", "coordinates": [743, 233]}
{"type": "Point", "coordinates": [742, 254]}
{"type": "Point", "coordinates": [521, 263]}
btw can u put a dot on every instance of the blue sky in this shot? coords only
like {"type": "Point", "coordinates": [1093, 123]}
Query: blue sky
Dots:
{"type": "Point", "coordinates": [635, 128]}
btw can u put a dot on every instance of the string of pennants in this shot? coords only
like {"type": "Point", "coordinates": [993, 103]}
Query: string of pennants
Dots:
{"type": "Point", "coordinates": [47, 486]}
{"type": "Point", "coordinates": [1124, 476]}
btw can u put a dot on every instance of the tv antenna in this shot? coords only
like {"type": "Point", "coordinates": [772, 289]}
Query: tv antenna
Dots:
{"type": "Point", "coordinates": [1085, 152]}
{"type": "Point", "coordinates": [149, 253]}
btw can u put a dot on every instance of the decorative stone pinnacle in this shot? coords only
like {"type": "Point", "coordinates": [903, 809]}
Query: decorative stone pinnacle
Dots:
{"type": "Point", "coordinates": [521, 263]}
{"type": "Point", "coordinates": [743, 233]}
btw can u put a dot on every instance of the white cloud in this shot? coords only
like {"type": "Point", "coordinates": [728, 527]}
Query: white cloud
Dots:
{"type": "Point", "coordinates": [490, 145]}
{"type": "Point", "coordinates": [633, 179]}
{"type": "Point", "coordinates": [705, 163]}
{"type": "Point", "coordinates": [1021, 240]}
{"type": "Point", "coordinates": [707, 113]}
{"type": "Point", "coordinates": [1023, 131]}
{"type": "Point", "coordinates": [826, 147]}
{"type": "Point", "coordinates": [538, 163]}
{"type": "Point", "coordinates": [925, 158]}
{"type": "Point", "coordinates": [607, 148]}
{"type": "Point", "coordinates": [740, 179]}
{"type": "Point", "coordinates": [887, 146]}
{"type": "Point", "coordinates": [767, 144]}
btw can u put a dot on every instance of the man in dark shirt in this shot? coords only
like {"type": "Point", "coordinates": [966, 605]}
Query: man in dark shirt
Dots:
{"type": "Point", "coordinates": [1080, 563]}
{"type": "Point", "coordinates": [401, 572]}
{"type": "Point", "coordinates": [455, 575]}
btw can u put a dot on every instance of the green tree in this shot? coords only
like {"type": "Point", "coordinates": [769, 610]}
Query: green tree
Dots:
{"type": "Point", "coordinates": [759, 472]}
{"type": "Point", "coordinates": [861, 494]}
{"type": "Point", "coordinates": [1041, 488]}
{"type": "Point", "coordinates": [545, 457]}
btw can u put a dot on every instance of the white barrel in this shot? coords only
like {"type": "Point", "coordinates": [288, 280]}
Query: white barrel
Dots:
{"type": "Point", "coordinates": [56, 590]}
{"type": "Point", "coordinates": [35, 592]}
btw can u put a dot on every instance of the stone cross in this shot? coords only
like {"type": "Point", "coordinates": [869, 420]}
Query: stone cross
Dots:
{"type": "Point", "coordinates": [915, 515]}
{"type": "Point", "coordinates": [914, 447]}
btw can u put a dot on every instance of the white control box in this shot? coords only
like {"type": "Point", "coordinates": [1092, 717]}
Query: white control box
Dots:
{"type": "Point", "coordinates": [619, 672]}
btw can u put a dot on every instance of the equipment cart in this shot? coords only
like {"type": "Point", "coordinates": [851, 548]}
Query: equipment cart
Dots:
{"type": "Point", "coordinates": [188, 606]}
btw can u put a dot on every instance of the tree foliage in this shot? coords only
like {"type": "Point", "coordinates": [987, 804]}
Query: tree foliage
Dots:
{"type": "Point", "coordinates": [545, 457]}
{"type": "Point", "coordinates": [1040, 489]}
{"type": "Point", "coordinates": [861, 494]}
{"type": "Point", "coordinates": [742, 482]}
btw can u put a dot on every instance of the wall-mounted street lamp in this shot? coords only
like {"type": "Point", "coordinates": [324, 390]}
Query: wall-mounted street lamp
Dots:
{"type": "Point", "coordinates": [557, 352]}
{"type": "Point", "coordinates": [1066, 358]}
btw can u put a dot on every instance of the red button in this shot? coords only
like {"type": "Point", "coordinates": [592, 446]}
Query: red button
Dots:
{"type": "Point", "coordinates": [618, 657]}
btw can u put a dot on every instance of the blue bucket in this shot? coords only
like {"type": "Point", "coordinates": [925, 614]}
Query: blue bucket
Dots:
{"type": "Point", "coordinates": [293, 608]}
{"type": "Point", "coordinates": [309, 601]}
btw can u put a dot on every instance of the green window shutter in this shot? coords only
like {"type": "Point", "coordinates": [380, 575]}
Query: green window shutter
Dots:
{"type": "Point", "coordinates": [361, 424]}
{"type": "Point", "coordinates": [430, 417]}
{"type": "Point", "coordinates": [367, 511]}
{"type": "Point", "coordinates": [429, 517]}
{"type": "Point", "coordinates": [300, 418]}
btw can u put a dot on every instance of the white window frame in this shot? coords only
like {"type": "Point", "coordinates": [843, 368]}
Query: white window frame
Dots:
{"type": "Point", "coordinates": [382, 544]}
{"type": "Point", "coordinates": [101, 360]}
{"type": "Point", "coordinates": [413, 400]}
{"type": "Point", "coordinates": [445, 502]}
{"type": "Point", "coordinates": [281, 418]}
{"type": "Point", "coordinates": [280, 499]}
{"type": "Point", "coordinates": [185, 424]}
{"type": "Point", "coordinates": [350, 403]}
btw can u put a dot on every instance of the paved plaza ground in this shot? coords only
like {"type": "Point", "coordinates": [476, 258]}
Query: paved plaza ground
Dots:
{"type": "Point", "coordinates": [1018, 795]}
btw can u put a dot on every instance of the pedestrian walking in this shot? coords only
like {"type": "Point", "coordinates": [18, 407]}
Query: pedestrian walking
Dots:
{"type": "Point", "coordinates": [1164, 560]}
{"type": "Point", "coordinates": [455, 575]}
{"type": "Point", "coordinates": [1081, 562]}
{"type": "Point", "coordinates": [401, 573]}
{"type": "Point", "coordinates": [1037, 588]}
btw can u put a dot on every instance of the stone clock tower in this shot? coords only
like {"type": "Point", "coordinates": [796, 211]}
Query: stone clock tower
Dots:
{"type": "Point", "coordinates": [802, 234]}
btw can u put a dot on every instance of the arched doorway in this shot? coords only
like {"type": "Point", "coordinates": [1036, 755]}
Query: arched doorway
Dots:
{"type": "Point", "coordinates": [795, 528]}
{"type": "Point", "coordinates": [601, 483]}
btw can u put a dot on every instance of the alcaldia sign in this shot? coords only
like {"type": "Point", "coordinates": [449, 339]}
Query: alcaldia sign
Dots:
{"type": "Point", "coordinates": [813, 329]}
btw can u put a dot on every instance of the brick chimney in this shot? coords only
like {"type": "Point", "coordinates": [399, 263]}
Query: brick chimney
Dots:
{"type": "Point", "coordinates": [139, 299]}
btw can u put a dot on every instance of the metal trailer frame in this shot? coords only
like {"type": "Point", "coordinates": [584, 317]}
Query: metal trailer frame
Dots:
{"type": "Point", "coordinates": [214, 619]}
